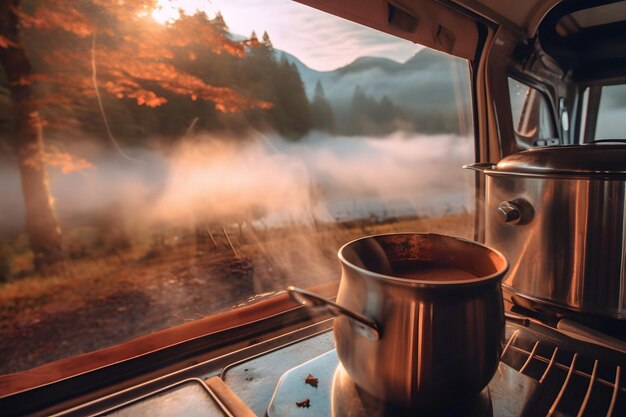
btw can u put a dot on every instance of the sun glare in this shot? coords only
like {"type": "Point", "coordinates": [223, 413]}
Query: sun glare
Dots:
{"type": "Point", "coordinates": [169, 11]}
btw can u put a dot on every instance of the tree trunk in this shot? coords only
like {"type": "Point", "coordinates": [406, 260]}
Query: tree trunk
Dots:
{"type": "Point", "coordinates": [41, 223]}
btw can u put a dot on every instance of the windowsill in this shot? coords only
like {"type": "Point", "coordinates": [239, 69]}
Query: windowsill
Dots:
{"type": "Point", "coordinates": [162, 351]}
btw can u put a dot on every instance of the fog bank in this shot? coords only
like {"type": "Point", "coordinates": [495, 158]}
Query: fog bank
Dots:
{"type": "Point", "coordinates": [261, 178]}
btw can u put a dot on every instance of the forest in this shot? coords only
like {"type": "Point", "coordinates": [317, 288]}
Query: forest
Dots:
{"type": "Point", "coordinates": [119, 80]}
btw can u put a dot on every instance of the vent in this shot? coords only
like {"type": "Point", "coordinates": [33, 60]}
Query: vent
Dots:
{"type": "Point", "coordinates": [400, 18]}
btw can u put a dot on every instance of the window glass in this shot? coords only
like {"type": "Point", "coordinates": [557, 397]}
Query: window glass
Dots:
{"type": "Point", "coordinates": [611, 123]}
{"type": "Point", "coordinates": [532, 116]}
{"type": "Point", "coordinates": [167, 160]}
{"type": "Point", "coordinates": [584, 103]}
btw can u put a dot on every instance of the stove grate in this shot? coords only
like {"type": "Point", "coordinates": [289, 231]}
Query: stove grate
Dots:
{"type": "Point", "coordinates": [572, 383]}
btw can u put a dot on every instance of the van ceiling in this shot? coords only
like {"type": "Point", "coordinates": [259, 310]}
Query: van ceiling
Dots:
{"type": "Point", "coordinates": [594, 16]}
{"type": "Point", "coordinates": [523, 16]}
{"type": "Point", "coordinates": [427, 22]}
{"type": "Point", "coordinates": [587, 39]}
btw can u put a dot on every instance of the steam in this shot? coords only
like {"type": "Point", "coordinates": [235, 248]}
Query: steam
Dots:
{"type": "Point", "coordinates": [223, 179]}
{"type": "Point", "coordinates": [262, 195]}
{"type": "Point", "coordinates": [265, 179]}
{"type": "Point", "coordinates": [270, 181]}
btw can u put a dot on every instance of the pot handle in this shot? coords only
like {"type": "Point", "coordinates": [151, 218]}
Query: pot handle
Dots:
{"type": "Point", "coordinates": [480, 166]}
{"type": "Point", "coordinates": [362, 325]}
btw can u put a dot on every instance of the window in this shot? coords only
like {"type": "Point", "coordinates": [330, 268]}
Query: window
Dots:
{"type": "Point", "coordinates": [532, 116]}
{"type": "Point", "coordinates": [177, 161]}
{"type": "Point", "coordinates": [611, 123]}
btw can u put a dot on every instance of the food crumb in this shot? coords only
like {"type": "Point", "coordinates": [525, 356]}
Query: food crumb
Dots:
{"type": "Point", "coordinates": [304, 404]}
{"type": "Point", "coordinates": [311, 380]}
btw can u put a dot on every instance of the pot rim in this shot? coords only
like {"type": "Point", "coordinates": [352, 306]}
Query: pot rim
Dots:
{"type": "Point", "coordinates": [498, 275]}
{"type": "Point", "coordinates": [565, 175]}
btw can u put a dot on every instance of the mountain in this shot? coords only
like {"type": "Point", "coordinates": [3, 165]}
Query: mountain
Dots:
{"type": "Point", "coordinates": [309, 76]}
{"type": "Point", "coordinates": [423, 80]}
{"type": "Point", "coordinates": [367, 63]}
{"type": "Point", "coordinates": [427, 90]}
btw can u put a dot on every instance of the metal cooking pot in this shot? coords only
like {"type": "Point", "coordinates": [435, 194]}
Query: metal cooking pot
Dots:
{"type": "Point", "coordinates": [558, 215]}
{"type": "Point", "coordinates": [417, 342]}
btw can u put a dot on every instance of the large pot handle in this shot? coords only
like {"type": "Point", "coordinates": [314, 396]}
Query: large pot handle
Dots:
{"type": "Point", "coordinates": [364, 326]}
{"type": "Point", "coordinates": [480, 166]}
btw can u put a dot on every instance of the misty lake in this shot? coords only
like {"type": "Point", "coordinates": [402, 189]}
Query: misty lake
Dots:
{"type": "Point", "coordinates": [319, 178]}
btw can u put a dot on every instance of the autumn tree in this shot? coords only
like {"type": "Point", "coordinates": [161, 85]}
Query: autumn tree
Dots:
{"type": "Point", "coordinates": [105, 48]}
{"type": "Point", "coordinates": [41, 222]}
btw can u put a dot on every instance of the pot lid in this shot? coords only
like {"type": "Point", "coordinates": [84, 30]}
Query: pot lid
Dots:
{"type": "Point", "coordinates": [590, 159]}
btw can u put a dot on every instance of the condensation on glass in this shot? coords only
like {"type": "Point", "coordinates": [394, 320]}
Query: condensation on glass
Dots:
{"type": "Point", "coordinates": [611, 122]}
{"type": "Point", "coordinates": [533, 121]}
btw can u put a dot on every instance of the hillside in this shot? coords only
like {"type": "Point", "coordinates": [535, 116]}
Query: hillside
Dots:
{"type": "Point", "coordinates": [421, 90]}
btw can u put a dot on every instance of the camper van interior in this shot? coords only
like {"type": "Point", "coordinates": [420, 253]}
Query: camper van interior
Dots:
{"type": "Point", "coordinates": [313, 208]}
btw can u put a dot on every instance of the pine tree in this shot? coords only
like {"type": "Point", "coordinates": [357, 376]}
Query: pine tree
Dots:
{"type": "Point", "coordinates": [254, 39]}
{"type": "Point", "coordinates": [371, 116]}
{"type": "Point", "coordinates": [291, 113]}
{"type": "Point", "coordinates": [219, 23]}
{"type": "Point", "coordinates": [266, 41]}
{"type": "Point", "coordinates": [321, 111]}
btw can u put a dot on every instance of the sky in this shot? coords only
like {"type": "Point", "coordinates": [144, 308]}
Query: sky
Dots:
{"type": "Point", "coordinates": [322, 41]}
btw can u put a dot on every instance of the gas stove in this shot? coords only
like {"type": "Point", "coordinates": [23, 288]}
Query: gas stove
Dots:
{"type": "Point", "coordinates": [334, 394]}
{"type": "Point", "coordinates": [543, 372]}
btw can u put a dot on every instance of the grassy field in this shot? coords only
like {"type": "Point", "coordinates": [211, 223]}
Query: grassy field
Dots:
{"type": "Point", "coordinates": [102, 299]}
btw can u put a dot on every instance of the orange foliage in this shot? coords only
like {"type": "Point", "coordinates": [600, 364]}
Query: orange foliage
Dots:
{"type": "Point", "coordinates": [57, 15]}
{"type": "Point", "coordinates": [66, 162]}
{"type": "Point", "coordinates": [133, 53]}
{"type": "Point", "coordinates": [6, 43]}
{"type": "Point", "coordinates": [39, 158]}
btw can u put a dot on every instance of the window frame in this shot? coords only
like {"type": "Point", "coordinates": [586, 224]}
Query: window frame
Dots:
{"type": "Point", "coordinates": [546, 94]}
{"type": "Point", "coordinates": [94, 374]}
{"type": "Point", "coordinates": [169, 349]}
{"type": "Point", "coordinates": [588, 119]}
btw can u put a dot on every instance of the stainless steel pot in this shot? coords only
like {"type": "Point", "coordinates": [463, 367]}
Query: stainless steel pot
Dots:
{"type": "Point", "coordinates": [417, 342]}
{"type": "Point", "coordinates": [558, 215]}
